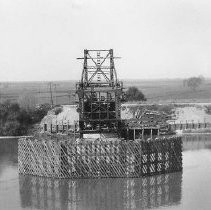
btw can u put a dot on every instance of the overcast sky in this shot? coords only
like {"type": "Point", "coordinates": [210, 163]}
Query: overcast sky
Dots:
{"type": "Point", "coordinates": [40, 39]}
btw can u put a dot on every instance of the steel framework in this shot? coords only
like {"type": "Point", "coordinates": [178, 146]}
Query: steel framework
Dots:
{"type": "Point", "coordinates": [99, 93]}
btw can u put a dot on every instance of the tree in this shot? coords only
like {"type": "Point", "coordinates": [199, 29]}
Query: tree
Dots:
{"type": "Point", "coordinates": [39, 112]}
{"type": "Point", "coordinates": [16, 120]}
{"type": "Point", "coordinates": [194, 82]}
{"type": "Point", "coordinates": [11, 128]}
{"type": "Point", "coordinates": [134, 94]}
{"type": "Point", "coordinates": [24, 117]}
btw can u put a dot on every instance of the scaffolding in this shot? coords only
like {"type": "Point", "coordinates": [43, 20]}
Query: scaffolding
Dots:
{"type": "Point", "coordinates": [99, 93]}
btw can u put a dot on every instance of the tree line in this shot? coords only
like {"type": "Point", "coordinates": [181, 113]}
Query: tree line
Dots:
{"type": "Point", "coordinates": [16, 120]}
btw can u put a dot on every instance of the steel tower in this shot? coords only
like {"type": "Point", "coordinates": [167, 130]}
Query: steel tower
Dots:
{"type": "Point", "coordinates": [99, 93]}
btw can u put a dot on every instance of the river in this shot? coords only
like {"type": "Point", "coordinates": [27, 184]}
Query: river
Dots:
{"type": "Point", "coordinates": [189, 189]}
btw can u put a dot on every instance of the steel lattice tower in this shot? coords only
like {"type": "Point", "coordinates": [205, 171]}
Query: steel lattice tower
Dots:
{"type": "Point", "coordinates": [99, 93]}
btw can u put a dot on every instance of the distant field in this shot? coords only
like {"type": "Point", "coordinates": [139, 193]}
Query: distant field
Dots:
{"type": "Point", "coordinates": [62, 91]}
{"type": "Point", "coordinates": [164, 91]}
{"type": "Point", "coordinates": [156, 91]}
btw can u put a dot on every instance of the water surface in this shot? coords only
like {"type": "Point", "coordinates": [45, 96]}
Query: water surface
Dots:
{"type": "Point", "coordinates": [189, 189]}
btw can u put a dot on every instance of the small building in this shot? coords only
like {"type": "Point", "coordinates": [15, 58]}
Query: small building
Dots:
{"type": "Point", "coordinates": [148, 122]}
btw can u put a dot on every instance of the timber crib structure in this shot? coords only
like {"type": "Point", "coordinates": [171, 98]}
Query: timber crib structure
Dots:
{"type": "Point", "coordinates": [119, 154]}
{"type": "Point", "coordinates": [99, 159]}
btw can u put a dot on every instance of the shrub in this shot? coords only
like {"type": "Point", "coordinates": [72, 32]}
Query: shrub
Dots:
{"type": "Point", "coordinates": [208, 109]}
{"type": "Point", "coordinates": [58, 110]}
{"type": "Point", "coordinates": [40, 112]}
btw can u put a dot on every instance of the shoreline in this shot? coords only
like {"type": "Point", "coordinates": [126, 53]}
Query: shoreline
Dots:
{"type": "Point", "coordinates": [195, 133]}
{"type": "Point", "coordinates": [13, 137]}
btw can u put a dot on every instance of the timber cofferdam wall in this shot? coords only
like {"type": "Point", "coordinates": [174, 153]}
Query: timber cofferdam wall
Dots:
{"type": "Point", "coordinates": [99, 159]}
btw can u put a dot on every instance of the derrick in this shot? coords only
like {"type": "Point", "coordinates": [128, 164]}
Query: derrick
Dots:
{"type": "Point", "coordinates": [99, 93]}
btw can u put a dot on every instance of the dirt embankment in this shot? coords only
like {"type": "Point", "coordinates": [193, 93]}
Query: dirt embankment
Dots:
{"type": "Point", "coordinates": [180, 112]}
{"type": "Point", "coordinates": [67, 116]}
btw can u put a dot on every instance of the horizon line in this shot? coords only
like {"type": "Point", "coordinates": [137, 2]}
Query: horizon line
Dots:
{"type": "Point", "coordinates": [123, 79]}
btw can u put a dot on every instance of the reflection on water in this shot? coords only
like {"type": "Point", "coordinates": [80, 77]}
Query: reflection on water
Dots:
{"type": "Point", "coordinates": [8, 154]}
{"type": "Point", "coordinates": [196, 142]}
{"type": "Point", "coordinates": [147, 192]}
{"type": "Point", "coordinates": [9, 146]}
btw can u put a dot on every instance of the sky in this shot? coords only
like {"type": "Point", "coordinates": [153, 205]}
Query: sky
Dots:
{"type": "Point", "coordinates": [41, 39]}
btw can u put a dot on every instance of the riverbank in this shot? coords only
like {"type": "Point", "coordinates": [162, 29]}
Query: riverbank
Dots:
{"type": "Point", "coordinates": [197, 131]}
{"type": "Point", "coordinates": [13, 137]}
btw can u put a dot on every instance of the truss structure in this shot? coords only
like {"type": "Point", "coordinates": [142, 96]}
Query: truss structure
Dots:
{"type": "Point", "coordinates": [99, 93]}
